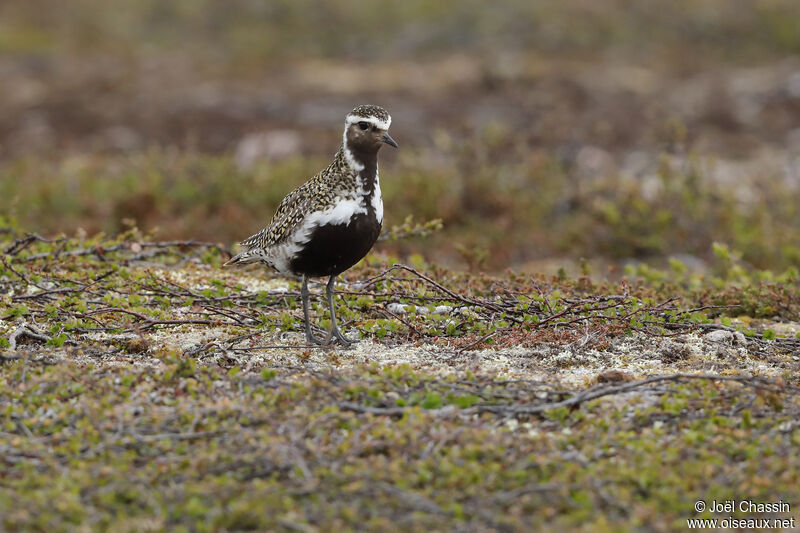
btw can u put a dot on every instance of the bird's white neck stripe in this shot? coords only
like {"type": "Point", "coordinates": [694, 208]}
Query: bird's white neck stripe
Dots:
{"type": "Point", "coordinates": [377, 200]}
{"type": "Point", "coordinates": [354, 163]}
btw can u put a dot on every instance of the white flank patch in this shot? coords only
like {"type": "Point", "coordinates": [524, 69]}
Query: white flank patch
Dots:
{"type": "Point", "coordinates": [281, 255]}
{"type": "Point", "coordinates": [354, 119]}
{"type": "Point", "coordinates": [341, 213]}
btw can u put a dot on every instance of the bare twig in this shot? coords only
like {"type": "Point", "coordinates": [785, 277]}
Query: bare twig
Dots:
{"type": "Point", "coordinates": [599, 392]}
{"type": "Point", "coordinates": [19, 274]}
{"type": "Point", "coordinates": [358, 408]}
{"type": "Point", "coordinates": [100, 250]}
{"type": "Point", "coordinates": [21, 243]}
{"type": "Point", "coordinates": [26, 330]}
{"type": "Point", "coordinates": [572, 402]}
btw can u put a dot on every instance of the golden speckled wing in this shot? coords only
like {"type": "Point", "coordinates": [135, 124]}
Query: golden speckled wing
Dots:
{"type": "Point", "coordinates": [289, 214]}
{"type": "Point", "coordinates": [316, 194]}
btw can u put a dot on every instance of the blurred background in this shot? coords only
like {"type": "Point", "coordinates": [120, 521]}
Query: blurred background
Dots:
{"type": "Point", "coordinates": [540, 132]}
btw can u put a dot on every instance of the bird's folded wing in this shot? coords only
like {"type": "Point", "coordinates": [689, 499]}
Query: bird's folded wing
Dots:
{"type": "Point", "coordinates": [290, 213]}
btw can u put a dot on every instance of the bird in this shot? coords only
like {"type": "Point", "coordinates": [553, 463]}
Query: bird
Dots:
{"type": "Point", "coordinates": [330, 222]}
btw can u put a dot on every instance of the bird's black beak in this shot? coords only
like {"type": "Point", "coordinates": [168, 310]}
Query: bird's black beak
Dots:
{"type": "Point", "coordinates": [388, 140]}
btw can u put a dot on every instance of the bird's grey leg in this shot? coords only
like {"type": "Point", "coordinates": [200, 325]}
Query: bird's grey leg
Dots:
{"type": "Point", "coordinates": [304, 295]}
{"type": "Point", "coordinates": [334, 329]}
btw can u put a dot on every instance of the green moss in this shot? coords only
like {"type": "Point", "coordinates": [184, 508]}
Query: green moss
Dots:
{"type": "Point", "coordinates": [208, 440]}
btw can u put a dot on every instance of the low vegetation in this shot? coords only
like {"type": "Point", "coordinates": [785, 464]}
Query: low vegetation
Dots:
{"type": "Point", "coordinates": [144, 388]}
{"type": "Point", "coordinates": [498, 207]}
{"type": "Point", "coordinates": [590, 322]}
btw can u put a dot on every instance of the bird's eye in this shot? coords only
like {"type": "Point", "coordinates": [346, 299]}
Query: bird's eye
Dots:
{"type": "Point", "coordinates": [363, 125]}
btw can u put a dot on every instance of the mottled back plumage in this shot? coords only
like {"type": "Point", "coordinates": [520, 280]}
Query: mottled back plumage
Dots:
{"type": "Point", "coordinates": [316, 194]}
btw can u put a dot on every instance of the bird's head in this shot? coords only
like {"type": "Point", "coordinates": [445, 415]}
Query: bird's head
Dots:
{"type": "Point", "coordinates": [366, 129]}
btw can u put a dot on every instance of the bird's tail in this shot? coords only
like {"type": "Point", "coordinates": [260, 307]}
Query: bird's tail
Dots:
{"type": "Point", "coordinates": [242, 258]}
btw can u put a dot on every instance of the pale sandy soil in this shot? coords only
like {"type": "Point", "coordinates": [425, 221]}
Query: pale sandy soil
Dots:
{"type": "Point", "coordinates": [574, 364]}
{"type": "Point", "coordinates": [571, 364]}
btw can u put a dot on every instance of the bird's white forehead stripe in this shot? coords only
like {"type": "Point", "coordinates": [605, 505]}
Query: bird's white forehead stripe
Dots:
{"type": "Point", "coordinates": [382, 124]}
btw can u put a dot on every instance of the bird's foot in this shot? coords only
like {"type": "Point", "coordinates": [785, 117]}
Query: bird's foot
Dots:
{"type": "Point", "coordinates": [334, 332]}
{"type": "Point", "coordinates": [311, 339]}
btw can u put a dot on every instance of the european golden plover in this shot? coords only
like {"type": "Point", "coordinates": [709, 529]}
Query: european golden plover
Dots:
{"type": "Point", "coordinates": [329, 223]}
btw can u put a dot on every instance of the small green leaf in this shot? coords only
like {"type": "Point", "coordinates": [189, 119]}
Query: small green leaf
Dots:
{"type": "Point", "coordinates": [433, 400]}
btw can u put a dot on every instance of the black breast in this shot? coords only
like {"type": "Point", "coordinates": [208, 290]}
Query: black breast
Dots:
{"type": "Point", "coordinates": [333, 248]}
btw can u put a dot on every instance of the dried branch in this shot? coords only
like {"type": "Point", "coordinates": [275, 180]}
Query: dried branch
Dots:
{"type": "Point", "coordinates": [100, 250]}
{"type": "Point", "coordinates": [21, 243]}
{"type": "Point", "coordinates": [26, 330]}
{"type": "Point", "coordinates": [572, 402]}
